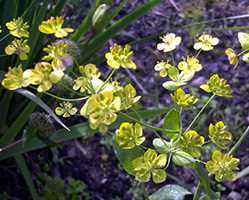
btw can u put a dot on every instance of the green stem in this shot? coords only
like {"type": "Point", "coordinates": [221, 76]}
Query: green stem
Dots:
{"type": "Point", "coordinates": [26, 175]}
{"type": "Point", "coordinates": [204, 181]}
{"type": "Point", "coordinates": [238, 143]}
{"type": "Point", "coordinates": [243, 173]}
{"type": "Point", "coordinates": [197, 194]}
{"type": "Point", "coordinates": [107, 80]}
{"type": "Point", "coordinates": [4, 37]}
{"type": "Point", "coordinates": [198, 53]}
{"type": "Point", "coordinates": [66, 99]}
{"type": "Point", "coordinates": [199, 113]}
{"type": "Point", "coordinates": [62, 98]}
{"type": "Point", "coordinates": [145, 124]}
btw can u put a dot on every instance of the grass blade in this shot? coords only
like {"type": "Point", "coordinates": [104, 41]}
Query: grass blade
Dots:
{"type": "Point", "coordinates": [99, 41]}
{"type": "Point", "coordinates": [43, 105]}
{"type": "Point", "coordinates": [27, 176]}
{"type": "Point", "coordinates": [77, 131]}
{"type": "Point", "coordinates": [17, 125]}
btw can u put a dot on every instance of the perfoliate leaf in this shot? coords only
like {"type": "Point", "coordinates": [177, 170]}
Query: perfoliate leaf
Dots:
{"type": "Point", "coordinates": [126, 156]}
{"type": "Point", "coordinates": [170, 192]}
{"type": "Point", "coordinates": [244, 40]}
{"type": "Point", "coordinates": [172, 121]}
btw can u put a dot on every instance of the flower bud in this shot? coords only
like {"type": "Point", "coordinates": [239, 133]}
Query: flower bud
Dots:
{"type": "Point", "coordinates": [99, 13]}
{"type": "Point", "coordinates": [162, 146]}
{"type": "Point", "coordinates": [182, 158]}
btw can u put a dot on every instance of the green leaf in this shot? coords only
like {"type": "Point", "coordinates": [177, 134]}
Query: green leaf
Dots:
{"type": "Point", "coordinates": [27, 176]}
{"type": "Point", "coordinates": [99, 41]}
{"type": "Point", "coordinates": [172, 121]}
{"type": "Point", "coordinates": [244, 40]}
{"type": "Point", "coordinates": [205, 182]}
{"type": "Point", "coordinates": [43, 105]}
{"type": "Point", "coordinates": [80, 130]}
{"type": "Point", "coordinates": [126, 156]}
{"type": "Point", "coordinates": [170, 192]}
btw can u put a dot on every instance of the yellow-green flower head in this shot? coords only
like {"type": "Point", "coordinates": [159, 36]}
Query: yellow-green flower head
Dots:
{"type": "Point", "coordinates": [83, 84]}
{"type": "Point", "coordinates": [190, 65]}
{"type": "Point", "coordinates": [56, 52]}
{"type": "Point", "coordinates": [222, 166]}
{"type": "Point", "coordinates": [18, 28]}
{"type": "Point", "coordinates": [129, 135]}
{"type": "Point", "coordinates": [183, 99]}
{"type": "Point", "coordinates": [14, 79]}
{"type": "Point", "coordinates": [90, 71]}
{"type": "Point", "coordinates": [150, 165]}
{"type": "Point", "coordinates": [43, 75]}
{"type": "Point", "coordinates": [66, 109]}
{"type": "Point", "coordinates": [128, 96]}
{"type": "Point", "coordinates": [101, 109]}
{"type": "Point", "coordinates": [170, 42]}
{"type": "Point", "coordinates": [162, 67]}
{"type": "Point", "coordinates": [217, 86]}
{"type": "Point", "coordinates": [120, 56]}
{"type": "Point", "coordinates": [219, 135]}
{"type": "Point", "coordinates": [1, 29]}
{"type": "Point", "coordinates": [54, 26]}
{"type": "Point", "coordinates": [232, 56]}
{"type": "Point", "coordinates": [18, 47]}
{"type": "Point", "coordinates": [206, 42]}
{"type": "Point", "coordinates": [191, 142]}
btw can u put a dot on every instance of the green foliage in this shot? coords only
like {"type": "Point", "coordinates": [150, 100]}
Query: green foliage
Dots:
{"type": "Point", "coordinates": [172, 121]}
{"type": "Point", "coordinates": [172, 192]}
{"type": "Point", "coordinates": [57, 189]}
{"type": "Point", "coordinates": [105, 102]}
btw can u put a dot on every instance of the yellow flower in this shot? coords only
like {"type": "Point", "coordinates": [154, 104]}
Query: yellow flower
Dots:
{"type": "Point", "coordinates": [56, 52]}
{"type": "Point", "coordinates": [190, 65]}
{"type": "Point", "coordinates": [43, 75]}
{"type": "Point", "coordinates": [206, 42]}
{"type": "Point", "coordinates": [219, 135]}
{"type": "Point", "coordinates": [120, 57]}
{"type": "Point", "coordinates": [232, 56]}
{"type": "Point", "coordinates": [14, 79]}
{"type": "Point", "coordinates": [128, 96]}
{"type": "Point", "coordinates": [191, 142]}
{"type": "Point", "coordinates": [19, 47]}
{"type": "Point", "coordinates": [217, 86]}
{"type": "Point", "coordinates": [129, 135]}
{"type": "Point", "coordinates": [162, 67]}
{"type": "Point", "coordinates": [101, 109]}
{"type": "Point", "coordinates": [66, 109]}
{"type": "Point", "coordinates": [150, 165]}
{"type": "Point", "coordinates": [54, 26]}
{"type": "Point", "coordinates": [1, 29]}
{"type": "Point", "coordinates": [222, 166]}
{"type": "Point", "coordinates": [90, 71]}
{"type": "Point", "coordinates": [170, 42]}
{"type": "Point", "coordinates": [18, 28]}
{"type": "Point", "coordinates": [183, 99]}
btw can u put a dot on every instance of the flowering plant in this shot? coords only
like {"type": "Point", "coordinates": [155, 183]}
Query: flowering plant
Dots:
{"type": "Point", "coordinates": [109, 105]}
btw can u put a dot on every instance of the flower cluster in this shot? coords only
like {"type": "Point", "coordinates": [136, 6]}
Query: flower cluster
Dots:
{"type": "Point", "coordinates": [45, 73]}
{"type": "Point", "coordinates": [223, 166]}
{"type": "Point", "coordinates": [150, 165]}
